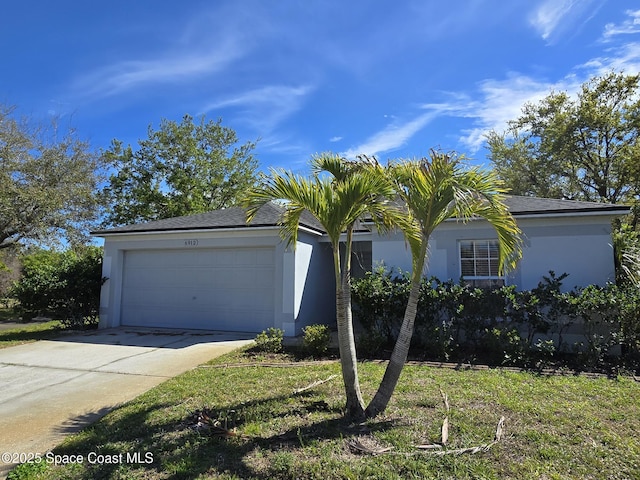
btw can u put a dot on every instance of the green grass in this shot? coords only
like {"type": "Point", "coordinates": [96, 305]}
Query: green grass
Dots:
{"type": "Point", "coordinates": [26, 332]}
{"type": "Point", "coordinates": [30, 333]}
{"type": "Point", "coordinates": [557, 427]}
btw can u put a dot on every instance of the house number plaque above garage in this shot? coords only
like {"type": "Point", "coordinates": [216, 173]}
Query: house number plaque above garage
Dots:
{"type": "Point", "coordinates": [191, 243]}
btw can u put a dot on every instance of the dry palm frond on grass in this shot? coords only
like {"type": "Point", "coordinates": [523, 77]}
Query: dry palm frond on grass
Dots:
{"type": "Point", "coordinates": [366, 445]}
{"type": "Point", "coordinates": [204, 422]}
{"type": "Point", "coordinates": [358, 446]}
{"type": "Point", "coordinates": [298, 391]}
{"type": "Point", "coordinates": [437, 448]}
{"type": "Point", "coordinates": [471, 450]}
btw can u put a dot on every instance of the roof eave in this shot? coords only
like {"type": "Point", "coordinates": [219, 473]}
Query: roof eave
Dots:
{"type": "Point", "coordinates": [561, 213]}
{"type": "Point", "coordinates": [610, 212]}
{"type": "Point", "coordinates": [112, 233]}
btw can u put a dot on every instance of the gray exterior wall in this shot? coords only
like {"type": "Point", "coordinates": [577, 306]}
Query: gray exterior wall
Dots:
{"type": "Point", "coordinates": [577, 245]}
{"type": "Point", "coordinates": [303, 289]}
{"type": "Point", "coordinates": [304, 282]}
{"type": "Point", "coordinates": [315, 284]}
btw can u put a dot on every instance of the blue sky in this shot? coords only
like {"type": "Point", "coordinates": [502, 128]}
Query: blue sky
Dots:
{"type": "Point", "coordinates": [390, 78]}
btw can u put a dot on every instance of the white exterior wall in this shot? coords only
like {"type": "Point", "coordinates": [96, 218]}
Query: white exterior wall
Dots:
{"type": "Point", "coordinates": [294, 274]}
{"type": "Point", "coordinates": [577, 245]}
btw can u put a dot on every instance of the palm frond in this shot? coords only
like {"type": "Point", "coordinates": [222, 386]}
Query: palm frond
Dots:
{"type": "Point", "coordinates": [339, 167]}
{"type": "Point", "coordinates": [438, 188]}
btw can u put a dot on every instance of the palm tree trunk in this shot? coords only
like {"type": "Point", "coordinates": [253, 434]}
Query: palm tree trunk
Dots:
{"type": "Point", "coordinates": [401, 349]}
{"type": "Point", "coordinates": [346, 339]}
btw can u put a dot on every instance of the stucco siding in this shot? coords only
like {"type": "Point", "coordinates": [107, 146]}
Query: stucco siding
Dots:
{"type": "Point", "coordinates": [314, 284]}
{"type": "Point", "coordinates": [579, 246]}
{"type": "Point", "coordinates": [391, 251]}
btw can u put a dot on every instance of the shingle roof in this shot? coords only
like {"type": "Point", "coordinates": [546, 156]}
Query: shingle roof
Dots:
{"type": "Point", "coordinates": [269, 216]}
{"type": "Point", "coordinates": [533, 205]}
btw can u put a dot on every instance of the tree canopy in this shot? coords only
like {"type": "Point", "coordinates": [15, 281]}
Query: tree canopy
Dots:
{"type": "Point", "coordinates": [48, 180]}
{"type": "Point", "coordinates": [180, 169]}
{"type": "Point", "coordinates": [583, 148]}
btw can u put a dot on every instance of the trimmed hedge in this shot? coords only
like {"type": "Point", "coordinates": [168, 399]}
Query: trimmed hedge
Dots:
{"type": "Point", "coordinates": [505, 326]}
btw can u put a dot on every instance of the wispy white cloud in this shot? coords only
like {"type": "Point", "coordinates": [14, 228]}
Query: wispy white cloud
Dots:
{"type": "Point", "coordinates": [264, 108]}
{"type": "Point", "coordinates": [200, 47]}
{"type": "Point", "coordinates": [630, 25]}
{"type": "Point", "coordinates": [393, 136]}
{"type": "Point", "coordinates": [134, 74]}
{"type": "Point", "coordinates": [335, 139]}
{"type": "Point", "coordinates": [624, 58]}
{"type": "Point", "coordinates": [491, 107]}
{"type": "Point", "coordinates": [499, 101]}
{"type": "Point", "coordinates": [554, 17]}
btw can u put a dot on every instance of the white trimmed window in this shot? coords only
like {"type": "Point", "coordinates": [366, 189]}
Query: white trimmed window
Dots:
{"type": "Point", "coordinates": [479, 260]}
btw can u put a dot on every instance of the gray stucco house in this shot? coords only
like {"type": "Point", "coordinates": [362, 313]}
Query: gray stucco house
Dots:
{"type": "Point", "coordinates": [213, 271]}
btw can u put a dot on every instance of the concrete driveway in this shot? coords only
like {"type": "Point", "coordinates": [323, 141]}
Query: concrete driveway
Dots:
{"type": "Point", "coordinates": [51, 388]}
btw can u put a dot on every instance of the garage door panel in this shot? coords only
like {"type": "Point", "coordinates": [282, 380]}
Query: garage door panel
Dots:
{"type": "Point", "coordinates": [225, 289]}
{"type": "Point", "coordinates": [265, 256]}
{"type": "Point", "coordinates": [262, 276]}
{"type": "Point", "coordinates": [223, 258]}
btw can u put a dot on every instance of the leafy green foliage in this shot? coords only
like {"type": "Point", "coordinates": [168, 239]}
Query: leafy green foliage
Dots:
{"type": "Point", "coordinates": [64, 285]}
{"type": "Point", "coordinates": [48, 180]}
{"type": "Point", "coordinates": [626, 250]}
{"type": "Point", "coordinates": [180, 169]}
{"type": "Point", "coordinates": [581, 148]}
{"type": "Point", "coordinates": [316, 339]}
{"type": "Point", "coordinates": [270, 340]}
{"type": "Point", "coordinates": [9, 271]}
{"type": "Point", "coordinates": [505, 326]}
{"type": "Point", "coordinates": [27, 471]}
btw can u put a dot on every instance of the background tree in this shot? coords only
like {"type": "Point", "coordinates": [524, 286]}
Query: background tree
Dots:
{"type": "Point", "coordinates": [10, 267]}
{"type": "Point", "coordinates": [584, 148]}
{"type": "Point", "coordinates": [180, 169]}
{"type": "Point", "coordinates": [48, 180]}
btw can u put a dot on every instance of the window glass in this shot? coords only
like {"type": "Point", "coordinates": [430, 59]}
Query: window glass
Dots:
{"type": "Point", "coordinates": [479, 260]}
{"type": "Point", "coordinates": [466, 250]}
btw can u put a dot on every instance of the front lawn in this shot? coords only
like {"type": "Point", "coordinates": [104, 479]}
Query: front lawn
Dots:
{"type": "Point", "coordinates": [30, 332]}
{"type": "Point", "coordinates": [556, 427]}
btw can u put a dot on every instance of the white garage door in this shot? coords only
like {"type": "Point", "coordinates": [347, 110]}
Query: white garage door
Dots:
{"type": "Point", "coordinates": [217, 289]}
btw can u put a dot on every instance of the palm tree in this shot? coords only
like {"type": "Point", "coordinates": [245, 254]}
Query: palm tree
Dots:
{"type": "Point", "coordinates": [338, 201]}
{"type": "Point", "coordinates": [433, 191]}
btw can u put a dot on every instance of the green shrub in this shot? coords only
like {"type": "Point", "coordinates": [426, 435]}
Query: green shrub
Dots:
{"type": "Point", "coordinates": [379, 298]}
{"type": "Point", "coordinates": [458, 322]}
{"type": "Point", "coordinates": [63, 285]}
{"type": "Point", "coordinates": [316, 339]}
{"type": "Point", "coordinates": [270, 340]}
{"type": "Point", "coordinates": [370, 343]}
{"type": "Point", "coordinates": [611, 317]}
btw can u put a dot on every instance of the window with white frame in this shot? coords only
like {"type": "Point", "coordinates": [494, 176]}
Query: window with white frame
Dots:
{"type": "Point", "coordinates": [479, 260]}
